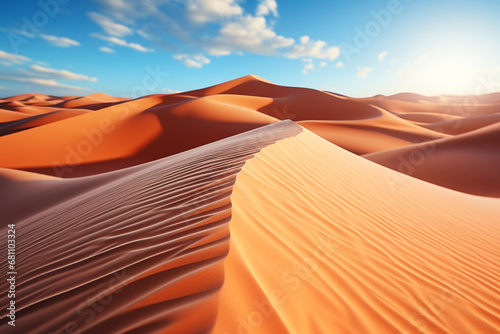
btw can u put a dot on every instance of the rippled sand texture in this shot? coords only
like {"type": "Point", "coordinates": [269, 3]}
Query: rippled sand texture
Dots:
{"type": "Point", "coordinates": [203, 212]}
{"type": "Point", "coordinates": [141, 251]}
{"type": "Point", "coordinates": [340, 245]}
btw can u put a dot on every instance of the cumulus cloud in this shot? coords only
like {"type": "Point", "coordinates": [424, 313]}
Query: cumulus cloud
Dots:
{"type": "Point", "coordinates": [363, 72]}
{"type": "Point", "coordinates": [13, 58]}
{"type": "Point", "coordinates": [63, 74]}
{"type": "Point", "coordinates": [62, 42]}
{"type": "Point", "coordinates": [196, 61]}
{"type": "Point", "coordinates": [238, 31]}
{"type": "Point", "coordinates": [215, 28]}
{"type": "Point", "coordinates": [122, 42]}
{"type": "Point", "coordinates": [266, 7]}
{"type": "Point", "coordinates": [248, 33]}
{"type": "Point", "coordinates": [313, 49]}
{"type": "Point", "coordinates": [339, 64]}
{"type": "Point", "coordinates": [110, 27]}
{"type": "Point", "coordinates": [382, 55]}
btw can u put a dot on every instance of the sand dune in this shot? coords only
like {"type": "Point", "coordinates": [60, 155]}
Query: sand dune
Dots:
{"type": "Point", "coordinates": [340, 245]}
{"type": "Point", "coordinates": [446, 99]}
{"type": "Point", "coordinates": [141, 250]}
{"type": "Point", "coordinates": [123, 135]}
{"type": "Point", "coordinates": [468, 162]}
{"type": "Point", "coordinates": [463, 125]}
{"type": "Point", "coordinates": [458, 105]}
{"type": "Point", "coordinates": [205, 212]}
{"type": "Point", "coordinates": [372, 135]}
{"type": "Point", "coordinates": [291, 102]}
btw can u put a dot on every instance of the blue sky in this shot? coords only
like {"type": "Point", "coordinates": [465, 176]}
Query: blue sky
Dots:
{"type": "Point", "coordinates": [357, 48]}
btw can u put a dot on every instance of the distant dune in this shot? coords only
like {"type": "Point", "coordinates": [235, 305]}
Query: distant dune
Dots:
{"type": "Point", "coordinates": [249, 207]}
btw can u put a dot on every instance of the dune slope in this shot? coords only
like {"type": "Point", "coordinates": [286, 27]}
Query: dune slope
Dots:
{"type": "Point", "coordinates": [469, 162]}
{"type": "Point", "coordinates": [140, 252]}
{"type": "Point", "coordinates": [322, 241]}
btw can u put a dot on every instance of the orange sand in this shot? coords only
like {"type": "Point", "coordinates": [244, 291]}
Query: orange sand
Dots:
{"type": "Point", "coordinates": [202, 212]}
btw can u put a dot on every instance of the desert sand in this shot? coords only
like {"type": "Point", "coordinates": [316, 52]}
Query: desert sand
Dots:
{"type": "Point", "coordinates": [249, 207]}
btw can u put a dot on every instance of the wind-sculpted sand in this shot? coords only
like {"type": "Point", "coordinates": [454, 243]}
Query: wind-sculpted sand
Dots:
{"type": "Point", "coordinates": [249, 207]}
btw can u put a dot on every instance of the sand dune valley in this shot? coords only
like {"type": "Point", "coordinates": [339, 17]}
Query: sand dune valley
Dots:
{"type": "Point", "coordinates": [249, 207]}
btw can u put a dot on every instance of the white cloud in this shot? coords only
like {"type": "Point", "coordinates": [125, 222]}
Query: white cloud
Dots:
{"type": "Point", "coordinates": [138, 47]}
{"type": "Point", "coordinates": [239, 31]}
{"type": "Point", "coordinates": [13, 58]}
{"type": "Point", "coordinates": [309, 66]}
{"type": "Point", "coordinates": [218, 52]}
{"type": "Point", "coordinates": [339, 64]}
{"type": "Point", "coordinates": [382, 55]}
{"type": "Point", "coordinates": [193, 61]}
{"type": "Point", "coordinates": [247, 33]}
{"type": "Point", "coordinates": [363, 72]}
{"type": "Point", "coordinates": [106, 49]}
{"type": "Point", "coordinates": [63, 74]}
{"type": "Point", "coordinates": [313, 49]}
{"type": "Point", "coordinates": [203, 11]}
{"type": "Point", "coordinates": [110, 27]}
{"type": "Point", "coordinates": [63, 42]}
{"type": "Point", "coordinates": [121, 42]}
{"type": "Point", "coordinates": [42, 82]}
{"type": "Point", "coordinates": [266, 7]}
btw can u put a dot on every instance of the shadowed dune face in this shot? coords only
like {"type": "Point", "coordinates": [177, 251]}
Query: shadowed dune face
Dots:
{"type": "Point", "coordinates": [469, 163]}
{"type": "Point", "coordinates": [139, 249]}
{"type": "Point", "coordinates": [204, 212]}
